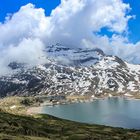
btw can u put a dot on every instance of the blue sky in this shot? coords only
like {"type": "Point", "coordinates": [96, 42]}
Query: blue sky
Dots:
{"type": "Point", "coordinates": [134, 25]}
{"type": "Point", "coordinates": [11, 6]}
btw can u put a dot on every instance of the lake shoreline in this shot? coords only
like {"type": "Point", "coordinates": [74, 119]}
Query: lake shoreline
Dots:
{"type": "Point", "coordinates": [37, 109]}
{"type": "Point", "coordinates": [33, 110]}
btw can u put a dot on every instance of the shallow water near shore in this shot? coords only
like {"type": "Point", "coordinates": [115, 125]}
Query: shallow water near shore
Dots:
{"type": "Point", "coordinates": [116, 112]}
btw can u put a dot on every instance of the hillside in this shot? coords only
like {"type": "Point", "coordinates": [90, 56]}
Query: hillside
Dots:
{"type": "Point", "coordinates": [47, 127]}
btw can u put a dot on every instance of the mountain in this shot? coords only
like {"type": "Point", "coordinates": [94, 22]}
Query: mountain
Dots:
{"type": "Point", "coordinates": [73, 56]}
{"type": "Point", "coordinates": [72, 71]}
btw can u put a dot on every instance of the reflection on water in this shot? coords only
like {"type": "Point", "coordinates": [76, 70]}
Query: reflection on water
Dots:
{"type": "Point", "coordinates": [117, 112]}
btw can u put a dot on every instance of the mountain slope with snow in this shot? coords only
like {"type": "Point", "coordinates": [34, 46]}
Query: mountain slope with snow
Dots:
{"type": "Point", "coordinates": [73, 72]}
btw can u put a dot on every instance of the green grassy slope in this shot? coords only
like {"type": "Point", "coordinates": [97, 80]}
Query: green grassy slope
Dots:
{"type": "Point", "coordinates": [44, 127]}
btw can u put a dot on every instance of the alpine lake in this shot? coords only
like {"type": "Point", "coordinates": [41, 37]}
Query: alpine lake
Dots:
{"type": "Point", "coordinates": [115, 111]}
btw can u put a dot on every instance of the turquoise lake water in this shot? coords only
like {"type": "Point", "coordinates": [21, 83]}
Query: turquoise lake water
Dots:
{"type": "Point", "coordinates": [116, 112]}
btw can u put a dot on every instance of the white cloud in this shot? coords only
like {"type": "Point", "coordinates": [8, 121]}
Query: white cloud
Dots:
{"type": "Point", "coordinates": [28, 22]}
{"type": "Point", "coordinates": [20, 38]}
{"type": "Point", "coordinates": [29, 51]}
{"type": "Point", "coordinates": [73, 23]}
{"type": "Point", "coordinates": [75, 20]}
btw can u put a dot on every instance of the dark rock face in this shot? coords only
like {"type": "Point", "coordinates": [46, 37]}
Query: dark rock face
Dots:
{"type": "Point", "coordinates": [15, 65]}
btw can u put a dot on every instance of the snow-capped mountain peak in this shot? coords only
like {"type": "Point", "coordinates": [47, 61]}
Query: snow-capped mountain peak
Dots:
{"type": "Point", "coordinates": [74, 56]}
{"type": "Point", "coordinates": [73, 71]}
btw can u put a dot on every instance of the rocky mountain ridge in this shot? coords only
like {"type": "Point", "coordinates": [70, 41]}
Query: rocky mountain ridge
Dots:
{"type": "Point", "coordinates": [72, 72]}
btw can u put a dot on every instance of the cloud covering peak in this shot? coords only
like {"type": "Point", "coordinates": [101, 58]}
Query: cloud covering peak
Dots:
{"type": "Point", "coordinates": [74, 23]}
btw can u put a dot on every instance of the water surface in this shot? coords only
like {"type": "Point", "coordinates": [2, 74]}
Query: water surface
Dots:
{"type": "Point", "coordinates": [117, 112]}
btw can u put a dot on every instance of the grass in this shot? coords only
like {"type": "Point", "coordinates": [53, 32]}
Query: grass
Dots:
{"type": "Point", "coordinates": [21, 104]}
{"type": "Point", "coordinates": [17, 126]}
{"type": "Point", "coordinates": [10, 137]}
{"type": "Point", "coordinates": [48, 127]}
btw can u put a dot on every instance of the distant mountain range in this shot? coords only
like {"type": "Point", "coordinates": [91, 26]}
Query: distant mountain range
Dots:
{"type": "Point", "coordinates": [72, 71]}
